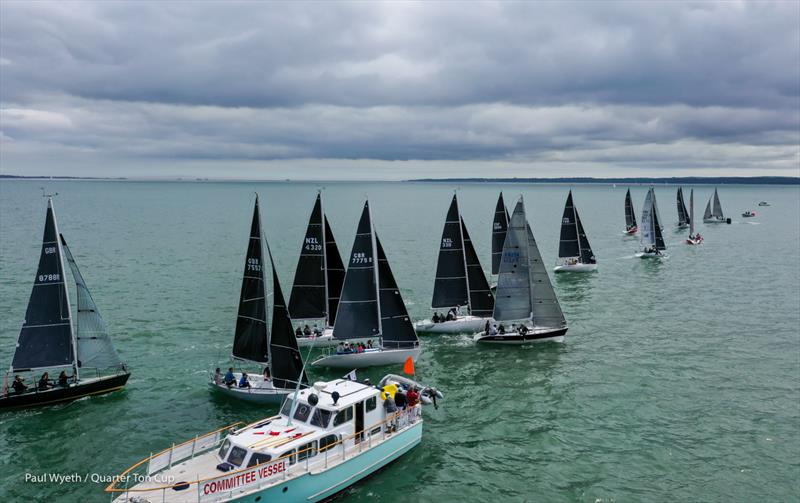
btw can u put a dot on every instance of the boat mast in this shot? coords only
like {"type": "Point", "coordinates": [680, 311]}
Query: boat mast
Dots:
{"type": "Point", "coordinates": [324, 256]}
{"type": "Point", "coordinates": [577, 233]}
{"type": "Point", "coordinates": [375, 271]}
{"type": "Point", "coordinates": [691, 213]}
{"type": "Point", "coordinates": [73, 337]}
{"type": "Point", "coordinates": [463, 255]}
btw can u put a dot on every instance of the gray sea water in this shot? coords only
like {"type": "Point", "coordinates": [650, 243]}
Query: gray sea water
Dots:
{"type": "Point", "coordinates": [679, 380]}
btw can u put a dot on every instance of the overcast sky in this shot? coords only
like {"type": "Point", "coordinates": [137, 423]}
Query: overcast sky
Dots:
{"type": "Point", "coordinates": [399, 90]}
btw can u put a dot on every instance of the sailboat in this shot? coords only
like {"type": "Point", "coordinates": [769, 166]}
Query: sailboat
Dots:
{"type": "Point", "coordinates": [652, 237]}
{"type": "Point", "coordinates": [460, 281]}
{"type": "Point", "coordinates": [574, 252]}
{"type": "Point", "coordinates": [693, 239]}
{"type": "Point", "coordinates": [683, 215]}
{"type": "Point", "coordinates": [526, 308]}
{"type": "Point", "coordinates": [48, 342]}
{"type": "Point", "coordinates": [499, 229]}
{"type": "Point", "coordinates": [371, 307]}
{"type": "Point", "coordinates": [630, 216]}
{"type": "Point", "coordinates": [317, 281]}
{"type": "Point", "coordinates": [273, 350]}
{"type": "Point", "coordinates": [713, 213]}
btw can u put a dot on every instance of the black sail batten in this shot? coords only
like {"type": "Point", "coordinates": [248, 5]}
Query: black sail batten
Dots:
{"type": "Point", "coordinates": [683, 215]}
{"type": "Point", "coordinates": [569, 245]}
{"type": "Point", "coordinates": [335, 272]}
{"type": "Point", "coordinates": [397, 330]}
{"type": "Point", "coordinates": [308, 297]}
{"type": "Point", "coordinates": [450, 286]}
{"type": "Point", "coordinates": [587, 255]}
{"type": "Point", "coordinates": [251, 339]}
{"type": "Point", "coordinates": [499, 229]}
{"type": "Point", "coordinates": [286, 363]}
{"type": "Point", "coordinates": [630, 216]}
{"type": "Point", "coordinates": [358, 316]}
{"type": "Point", "coordinates": [46, 339]}
{"type": "Point", "coordinates": [480, 294]}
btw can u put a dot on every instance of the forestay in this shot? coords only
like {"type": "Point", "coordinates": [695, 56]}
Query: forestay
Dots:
{"type": "Point", "coordinates": [46, 338]}
{"type": "Point", "coordinates": [95, 349]}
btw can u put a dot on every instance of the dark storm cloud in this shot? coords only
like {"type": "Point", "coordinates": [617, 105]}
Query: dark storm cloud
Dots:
{"type": "Point", "coordinates": [395, 81]}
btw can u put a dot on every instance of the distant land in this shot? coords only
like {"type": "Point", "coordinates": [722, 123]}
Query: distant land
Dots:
{"type": "Point", "coordinates": [687, 180]}
{"type": "Point", "coordinates": [43, 177]}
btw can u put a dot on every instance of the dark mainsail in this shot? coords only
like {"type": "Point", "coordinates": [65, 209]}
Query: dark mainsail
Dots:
{"type": "Point", "coordinates": [250, 340]}
{"type": "Point", "coordinates": [46, 338]}
{"type": "Point", "coordinates": [568, 245]}
{"type": "Point", "coordinates": [657, 226]}
{"type": "Point", "coordinates": [308, 299]}
{"type": "Point", "coordinates": [450, 286]}
{"type": "Point", "coordinates": [357, 316]}
{"type": "Point", "coordinates": [286, 362]}
{"type": "Point", "coordinates": [335, 272]}
{"type": "Point", "coordinates": [683, 215]}
{"type": "Point", "coordinates": [630, 216]}
{"type": "Point", "coordinates": [397, 332]}
{"type": "Point", "coordinates": [481, 298]}
{"type": "Point", "coordinates": [95, 348]}
{"type": "Point", "coordinates": [499, 229]}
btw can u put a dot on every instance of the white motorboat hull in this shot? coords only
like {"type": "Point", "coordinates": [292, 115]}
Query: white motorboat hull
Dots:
{"type": "Point", "coordinates": [463, 325]}
{"type": "Point", "coordinates": [714, 221]}
{"type": "Point", "coordinates": [260, 391]}
{"type": "Point", "coordinates": [537, 334]}
{"type": "Point", "coordinates": [369, 358]}
{"type": "Point", "coordinates": [325, 340]}
{"type": "Point", "coordinates": [575, 268]}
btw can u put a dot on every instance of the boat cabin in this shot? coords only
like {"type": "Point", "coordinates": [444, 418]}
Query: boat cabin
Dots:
{"type": "Point", "coordinates": [326, 415]}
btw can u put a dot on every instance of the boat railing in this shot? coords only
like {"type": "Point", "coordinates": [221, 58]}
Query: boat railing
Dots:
{"type": "Point", "coordinates": [85, 373]}
{"type": "Point", "coordinates": [216, 487]}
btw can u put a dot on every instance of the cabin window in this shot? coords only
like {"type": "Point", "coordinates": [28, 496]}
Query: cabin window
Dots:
{"type": "Point", "coordinates": [257, 459]}
{"type": "Point", "coordinates": [290, 456]}
{"type": "Point", "coordinates": [287, 407]}
{"type": "Point", "coordinates": [371, 404]}
{"type": "Point", "coordinates": [236, 457]}
{"type": "Point", "coordinates": [327, 442]}
{"type": "Point", "coordinates": [306, 451]}
{"type": "Point", "coordinates": [343, 416]}
{"type": "Point", "coordinates": [321, 417]}
{"type": "Point", "coordinates": [302, 412]}
{"type": "Point", "coordinates": [224, 449]}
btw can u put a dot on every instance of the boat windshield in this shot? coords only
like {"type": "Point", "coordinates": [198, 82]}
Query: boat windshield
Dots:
{"type": "Point", "coordinates": [321, 417]}
{"type": "Point", "coordinates": [236, 457]}
{"type": "Point", "coordinates": [287, 407]}
{"type": "Point", "coordinates": [224, 449]}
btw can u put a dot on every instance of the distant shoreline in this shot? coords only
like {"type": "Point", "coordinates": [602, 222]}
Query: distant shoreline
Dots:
{"type": "Point", "coordinates": [685, 180]}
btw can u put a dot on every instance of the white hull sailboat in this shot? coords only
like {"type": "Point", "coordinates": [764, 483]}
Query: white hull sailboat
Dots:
{"type": "Point", "coordinates": [271, 349]}
{"type": "Point", "coordinates": [371, 308]}
{"type": "Point", "coordinates": [630, 216]}
{"type": "Point", "coordinates": [317, 283]}
{"type": "Point", "coordinates": [526, 308]}
{"type": "Point", "coordinates": [574, 251]}
{"type": "Point", "coordinates": [683, 216]}
{"type": "Point", "coordinates": [694, 238]}
{"type": "Point", "coordinates": [713, 213]}
{"type": "Point", "coordinates": [459, 281]}
{"type": "Point", "coordinates": [652, 237]}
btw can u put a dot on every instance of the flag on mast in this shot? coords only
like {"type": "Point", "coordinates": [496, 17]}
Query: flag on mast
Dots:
{"type": "Point", "coordinates": [351, 376]}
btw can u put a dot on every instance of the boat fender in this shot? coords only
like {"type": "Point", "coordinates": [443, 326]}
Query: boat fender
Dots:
{"type": "Point", "coordinates": [727, 220]}
{"type": "Point", "coordinates": [313, 399]}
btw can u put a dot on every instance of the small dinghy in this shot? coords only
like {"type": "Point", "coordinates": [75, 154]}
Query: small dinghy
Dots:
{"type": "Point", "coordinates": [683, 215]}
{"type": "Point", "coordinates": [325, 439]}
{"type": "Point", "coordinates": [574, 252]}
{"type": "Point", "coordinates": [47, 342]}
{"type": "Point", "coordinates": [763, 203]}
{"type": "Point", "coordinates": [371, 308]}
{"type": "Point", "coordinates": [652, 237]}
{"type": "Point", "coordinates": [749, 214]}
{"type": "Point", "coordinates": [318, 281]}
{"type": "Point", "coordinates": [713, 213]}
{"type": "Point", "coordinates": [694, 238]}
{"type": "Point", "coordinates": [630, 217]}
{"type": "Point", "coordinates": [459, 281]}
{"type": "Point", "coordinates": [526, 302]}
{"type": "Point", "coordinates": [273, 351]}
